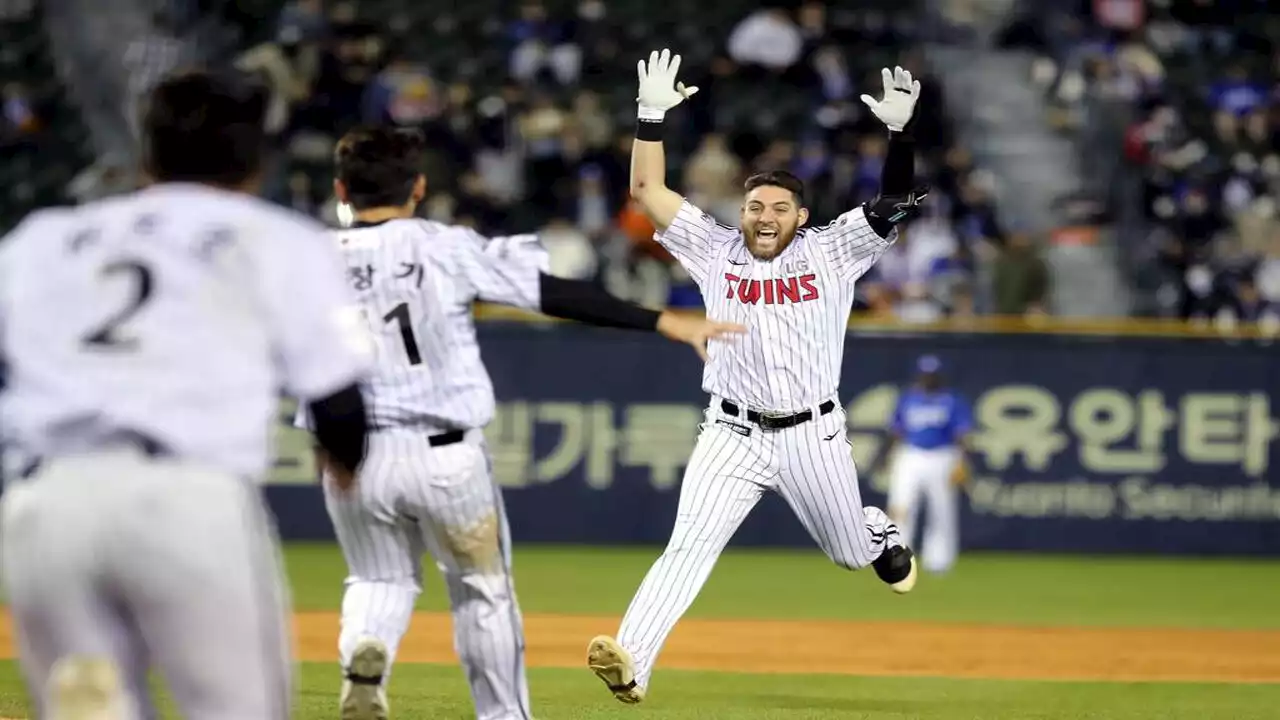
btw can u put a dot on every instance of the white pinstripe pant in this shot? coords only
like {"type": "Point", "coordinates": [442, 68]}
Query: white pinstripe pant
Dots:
{"type": "Point", "coordinates": [733, 464]}
{"type": "Point", "coordinates": [412, 498]}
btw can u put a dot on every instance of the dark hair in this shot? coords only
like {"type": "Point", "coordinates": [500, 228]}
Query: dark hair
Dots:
{"type": "Point", "coordinates": [379, 166]}
{"type": "Point", "coordinates": [206, 128]}
{"type": "Point", "coordinates": [777, 178]}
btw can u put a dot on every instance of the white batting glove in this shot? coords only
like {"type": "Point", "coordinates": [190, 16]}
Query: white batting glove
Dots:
{"type": "Point", "coordinates": [659, 91]}
{"type": "Point", "coordinates": [899, 103]}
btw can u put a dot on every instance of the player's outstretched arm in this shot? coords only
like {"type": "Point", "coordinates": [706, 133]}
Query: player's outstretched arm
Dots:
{"type": "Point", "coordinates": [658, 92]}
{"type": "Point", "coordinates": [899, 198]}
{"type": "Point", "coordinates": [587, 303]}
{"type": "Point", "coordinates": [857, 239]}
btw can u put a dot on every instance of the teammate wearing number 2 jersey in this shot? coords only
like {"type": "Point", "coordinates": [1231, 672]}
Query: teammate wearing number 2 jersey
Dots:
{"type": "Point", "coordinates": [426, 485]}
{"type": "Point", "coordinates": [774, 421]}
{"type": "Point", "coordinates": [146, 338]}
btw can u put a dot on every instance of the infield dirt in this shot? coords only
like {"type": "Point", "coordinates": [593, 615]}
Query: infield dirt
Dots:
{"type": "Point", "coordinates": [861, 648]}
{"type": "Point", "coordinates": [875, 648]}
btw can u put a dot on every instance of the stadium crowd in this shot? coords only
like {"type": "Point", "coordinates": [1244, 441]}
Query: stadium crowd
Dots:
{"type": "Point", "coordinates": [1174, 102]}
{"type": "Point", "coordinates": [542, 138]}
{"type": "Point", "coordinates": [1199, 86]}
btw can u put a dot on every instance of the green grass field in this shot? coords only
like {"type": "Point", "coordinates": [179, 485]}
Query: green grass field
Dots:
{"type": "Point", "coordinates": [989, 589]}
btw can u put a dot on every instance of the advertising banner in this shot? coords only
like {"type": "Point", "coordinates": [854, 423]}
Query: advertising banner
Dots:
{"type": "Point", "coordinates": [1081, 444]}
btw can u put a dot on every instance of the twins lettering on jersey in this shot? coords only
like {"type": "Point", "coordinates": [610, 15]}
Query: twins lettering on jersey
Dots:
{"type": "Point", "coordinates": [772, 291]}
{"type": "Point", "coordinates": [797, 285]}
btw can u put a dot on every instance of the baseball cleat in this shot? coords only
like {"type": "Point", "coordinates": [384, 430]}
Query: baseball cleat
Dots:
{"type": "Point", "coordinates": [613, 664]}
{"type": "Point", "coordinates": [897, 567]}
{"type": "Point", "coordinates": [363, 696]}
{"type": "Point", "coordinates": [86, 688]}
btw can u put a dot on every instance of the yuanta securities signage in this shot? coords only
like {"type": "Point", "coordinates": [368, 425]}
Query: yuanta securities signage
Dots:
{"type": "Point", "coordinates": [1080, 444]}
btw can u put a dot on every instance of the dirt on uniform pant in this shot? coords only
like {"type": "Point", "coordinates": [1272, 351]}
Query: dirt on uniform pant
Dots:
{"type": "Point", "coordinates": [873, 648]}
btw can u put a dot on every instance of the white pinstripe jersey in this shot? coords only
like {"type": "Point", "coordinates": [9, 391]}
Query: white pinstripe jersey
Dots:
{"type": "Point", "coordinates": [416, 281]}
{"type": "Point", "coordinates": [795, 306]}
{"type": "Point", "coordinates": [178, 312]}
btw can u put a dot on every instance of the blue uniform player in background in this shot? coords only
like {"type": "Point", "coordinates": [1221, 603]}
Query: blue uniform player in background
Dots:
{"type": "Point", "coordinates": [928, 430]}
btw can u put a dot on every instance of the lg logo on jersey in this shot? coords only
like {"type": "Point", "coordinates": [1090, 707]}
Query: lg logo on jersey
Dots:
{"type": "Point", "coordinates": [773, 291]}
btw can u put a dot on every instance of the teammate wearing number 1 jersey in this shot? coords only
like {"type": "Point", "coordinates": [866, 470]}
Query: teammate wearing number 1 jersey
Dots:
{"type": "Point", "coordinates": [774, 422]}
{"type": "Point", "coordinates": [427, 484]}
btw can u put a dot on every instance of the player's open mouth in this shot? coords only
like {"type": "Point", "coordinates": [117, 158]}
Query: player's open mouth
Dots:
{"type": "Point", "coordinates": [767, 233]}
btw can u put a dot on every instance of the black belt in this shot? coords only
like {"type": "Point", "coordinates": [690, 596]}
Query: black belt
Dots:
{"type": "Point", "coordinates": [144, 444]}
{"type": "Point", "coordinates": [450, 438]}
{"type": "Point", "coordinates": [776, 422]}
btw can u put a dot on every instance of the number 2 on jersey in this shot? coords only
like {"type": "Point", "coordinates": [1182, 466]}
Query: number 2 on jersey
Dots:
{"type": "Point", "coordinates": [400, 315]}
{"type": "Point", "coordinates": [109, 335]}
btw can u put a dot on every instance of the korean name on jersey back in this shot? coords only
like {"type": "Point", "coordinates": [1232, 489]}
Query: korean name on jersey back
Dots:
{"type": "Point", "coordinates": [177, 312]}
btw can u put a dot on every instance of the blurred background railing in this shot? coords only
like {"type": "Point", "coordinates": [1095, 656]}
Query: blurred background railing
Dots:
{"type": "Point", "coordinates": [1098, 159]}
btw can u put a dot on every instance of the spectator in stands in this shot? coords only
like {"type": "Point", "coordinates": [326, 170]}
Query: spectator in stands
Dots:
{"type": "Point", "coordinates": [812, 161]}
{"type": "Point", "coordinates": [871, 152]}
{"type": "Point", "coordinates": [304, 20]}
{"type": "Point", "coordinates": [832, 72]}
{"type": "Point", "coordinates": [974, 215]}
{"type": "Point", "coordinates": [711, 178]}
{"type": "Point", "coordinates": [916, 276]}
{"type": "Point", "coordinates": [148, 59]}
{"type": "Point", "coordinates": [475, 201]}
{"type": "Point", "coordinates": [1247, 304]}
{"type": "Point", "coordinates": [541, 46]}
{"type": "Point", "coordinates": [1267, 275]}
{"type": "Point", "coordinates": [591, 31]}
{"type": "Point", "coordinates": [348, 62]}
{"type": "Point", "coordinates": [402, 94]}
{"type": "Point", "coordinates": [766, 38]}
{"type": "Point", "coordinates": [1021, 282]}
{"type": "Point", "coordinates": [591, 207]}
{"type": "Point", "coordinates": [811, 20]}
{"type": "Point", "coordinates": [20, 119]}
{"type": "Point", "coordinates": [542, 128]}
{"type": "Point", "coordinates": [592, 121]}
{"type": "Point", "coordinates": [962, 302]}
{"type": "Point", "coordinates": [1236, 93]}
{"type": "Point", "coordinates": [570, 252]}
{"type": "Point", "coordinates": [301, 194]}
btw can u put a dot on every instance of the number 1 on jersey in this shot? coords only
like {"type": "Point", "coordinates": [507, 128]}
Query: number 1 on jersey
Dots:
{"type": "Point", "coordinates": [400, 315]}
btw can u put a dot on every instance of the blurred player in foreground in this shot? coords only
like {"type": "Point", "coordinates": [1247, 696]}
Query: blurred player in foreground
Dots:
{"type": "Point", "coordinates": [928, 430]}
{"type": "Point", "coordinates": [427, 485]}
{"type": "Point", "coordinates": [146, 338]}
{"type": "Point", "coordinates": [774, 421]}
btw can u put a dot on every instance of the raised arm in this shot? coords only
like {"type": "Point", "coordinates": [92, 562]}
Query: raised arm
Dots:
{"type": "Point", "coordinates": [658, 93]}
{"type": "Point", "coordinates": [857, 239]}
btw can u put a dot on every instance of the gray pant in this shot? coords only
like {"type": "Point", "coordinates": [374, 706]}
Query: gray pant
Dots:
{"type": "Point", "coordinates": [159, 564]}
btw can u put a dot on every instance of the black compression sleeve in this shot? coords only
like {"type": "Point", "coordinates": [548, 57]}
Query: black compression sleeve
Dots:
{"type": "Point", "coordinates": [899, 172]}
{"type": "Point", "coordinates": [587, 303]}
{"type": "Point", "coordinates": [341, 426]}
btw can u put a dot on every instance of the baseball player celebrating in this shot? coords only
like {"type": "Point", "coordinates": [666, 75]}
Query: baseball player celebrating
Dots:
{"type": "Point", "coordinates": [427, 484]}
{"type": "Point", "coordinates": [774, 421]}
{"type": "Point", "coordinates": [929, 428]}
{"type": "Point", "coordinates": [146, 338]}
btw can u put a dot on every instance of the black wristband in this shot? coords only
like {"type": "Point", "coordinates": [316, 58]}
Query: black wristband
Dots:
{"type": "Point", "coordinates": [648, 130]}
{"type": "Point", "coordinates": [898, 174]}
